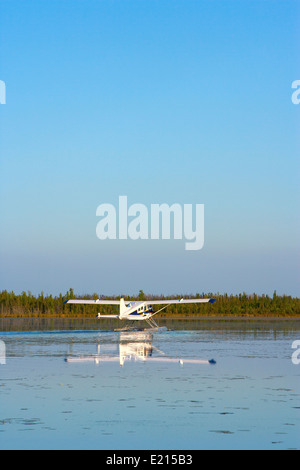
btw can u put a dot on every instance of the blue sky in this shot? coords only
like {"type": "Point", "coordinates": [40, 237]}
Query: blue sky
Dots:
{"type": "Point", "coordinates": [163, 101]}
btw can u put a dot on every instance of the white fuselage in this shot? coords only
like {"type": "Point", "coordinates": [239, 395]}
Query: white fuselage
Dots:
{"type": "Point", "coordinates": [136, 311]}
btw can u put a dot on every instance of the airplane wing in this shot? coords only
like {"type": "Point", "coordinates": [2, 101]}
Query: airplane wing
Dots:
{"type": "Point", "coordinates": [94, 302]}
{"type": "Point", "coordinates": [148, 302]}
{"type": "Point", "coordinates": [179, 301]}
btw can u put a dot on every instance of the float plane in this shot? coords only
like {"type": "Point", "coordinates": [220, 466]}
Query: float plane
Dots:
{"type": "Point", "coordinates": [137, 310]}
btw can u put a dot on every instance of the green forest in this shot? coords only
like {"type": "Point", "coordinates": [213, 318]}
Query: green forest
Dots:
{"type": "Point", "coordinates": [28, 305]}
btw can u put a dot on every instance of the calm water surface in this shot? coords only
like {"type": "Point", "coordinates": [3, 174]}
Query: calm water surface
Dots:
{"type": "Point", "coordinates": [64, 385]}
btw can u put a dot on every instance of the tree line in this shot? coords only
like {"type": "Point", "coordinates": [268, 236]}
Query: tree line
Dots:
{"type": "Point", "coordinates": [27, 304]}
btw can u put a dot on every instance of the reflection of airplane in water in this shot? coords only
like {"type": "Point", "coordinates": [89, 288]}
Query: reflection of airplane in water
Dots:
{"type": "Point", "coordinates": [132, 346]}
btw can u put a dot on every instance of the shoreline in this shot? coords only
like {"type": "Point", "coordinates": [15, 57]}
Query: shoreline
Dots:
{"type": "Point", "coordinates": [214, 317]}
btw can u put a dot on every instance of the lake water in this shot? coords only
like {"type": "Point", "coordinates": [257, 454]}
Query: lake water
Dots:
{"type": "Point", "coordinates": [67, 385]}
